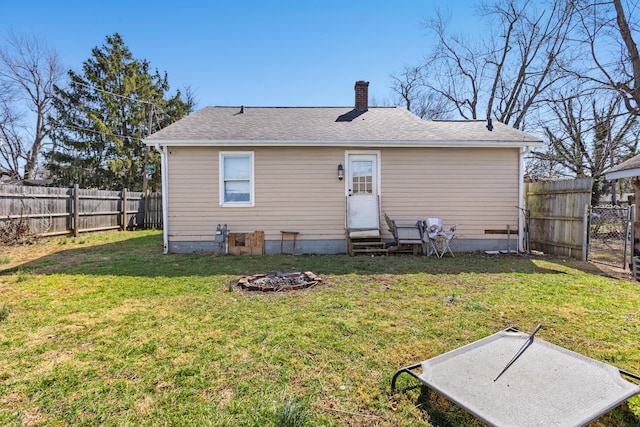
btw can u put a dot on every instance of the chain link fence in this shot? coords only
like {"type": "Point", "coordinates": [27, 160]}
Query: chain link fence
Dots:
{"type": "Point", "coordinates": [610, 235]}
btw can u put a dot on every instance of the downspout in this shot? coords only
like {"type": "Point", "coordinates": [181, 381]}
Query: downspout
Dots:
{"type": "Point", "coordinates": [521, 200]}
{"type": "Point", "coordinates": [165, 197]}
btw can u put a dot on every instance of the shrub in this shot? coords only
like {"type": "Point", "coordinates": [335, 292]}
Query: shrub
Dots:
{"type": "Point", "coordinates": [16, 231]}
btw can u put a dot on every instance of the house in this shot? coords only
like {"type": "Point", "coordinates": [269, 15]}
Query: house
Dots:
{"type": "Point", "coordinates": [320, 171]}
{"type": "Point", "coordinates": [627, 169]}
{"type": "Point", "coordinates": [630, 168]}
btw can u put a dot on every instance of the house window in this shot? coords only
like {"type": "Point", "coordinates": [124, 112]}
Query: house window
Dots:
{"type": "Point", "coordinates": [236, 178]}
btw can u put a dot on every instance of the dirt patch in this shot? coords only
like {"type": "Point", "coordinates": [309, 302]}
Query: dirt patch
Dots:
{"type": "Point", "coordinates": [616, 272]}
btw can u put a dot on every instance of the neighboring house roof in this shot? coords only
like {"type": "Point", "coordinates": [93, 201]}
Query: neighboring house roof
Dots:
{"type": "Point", "coordinates": [626, 169]}
{"type": "Point", "coordinates": [332, 126]}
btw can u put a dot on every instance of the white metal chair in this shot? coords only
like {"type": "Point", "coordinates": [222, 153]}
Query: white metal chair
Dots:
{"type": "Point", "coordinates": [437, 239]}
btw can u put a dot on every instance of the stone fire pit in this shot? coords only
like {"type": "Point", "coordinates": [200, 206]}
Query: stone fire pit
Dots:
{"type": "Point", "coordinates": [277, 282]}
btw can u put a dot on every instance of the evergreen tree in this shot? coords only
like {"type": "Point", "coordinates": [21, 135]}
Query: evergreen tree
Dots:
{"type": "Point", "coordinates": [102, 117]}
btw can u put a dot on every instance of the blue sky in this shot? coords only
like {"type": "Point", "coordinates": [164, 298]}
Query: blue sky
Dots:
{"type": "Point", "coordinates": [257, 53]}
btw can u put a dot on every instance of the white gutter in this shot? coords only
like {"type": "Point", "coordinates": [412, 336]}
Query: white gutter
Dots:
{"type": "Point", "coordinates": [622, 174]}
{"type": "Point", "coordinates": [165, 197]}
{"type": "Point", "coordinates": [521, 199]}
{"type": "Point", "coordinates": [352, 143]}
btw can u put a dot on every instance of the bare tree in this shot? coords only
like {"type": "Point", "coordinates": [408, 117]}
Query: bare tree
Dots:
{"type": "Point", "coordinates": [609, 33]}
{"type": "Point", "coordinates": [29, 69]}
{"type": "Point", "coordinates": [588, 135]}
{"type": "Point", "coordinates": [525, 65]}
{"type": "Point", "coordinates": [414, 95]}
{"type": "Point", "coordinates": [508, 74]}
{"type": "Point", "coordinates": [630, 89]}
{"type": "Point", "coordinates": [457, 70]}
{"type": "Point", "coordinates": [407, 85]}
{"type": "Point", "coordinates": [10, 130]}
{"type": "Point", "coordinates": [568, 68]}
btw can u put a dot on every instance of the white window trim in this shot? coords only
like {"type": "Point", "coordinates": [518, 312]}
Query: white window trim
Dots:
{"type": "Point", "coordinates": [222, 155]}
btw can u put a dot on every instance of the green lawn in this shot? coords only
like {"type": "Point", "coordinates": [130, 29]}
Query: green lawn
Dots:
{"type": "Point", "coordinates": [105, 330]}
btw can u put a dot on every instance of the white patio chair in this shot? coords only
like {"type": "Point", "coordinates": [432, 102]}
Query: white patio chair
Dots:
{"type": "Point", "coordinates": [437, 239]}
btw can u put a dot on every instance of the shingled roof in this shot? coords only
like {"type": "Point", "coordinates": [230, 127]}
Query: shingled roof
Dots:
{"type": "Point", "coordinates": [626, 169]}
{"type": "Point", "coordinates": [332, 126]}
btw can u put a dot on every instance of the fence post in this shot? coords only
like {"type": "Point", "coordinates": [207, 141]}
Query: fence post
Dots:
{"type": "Point", "coordinates": [629, 236]}
{"type": "Point", "coordinates": [585, 233]}
{"type": "Point", "coordinates": [76, 210]}
{"type": "Point", "coordinates": [123, 222]}
{"type": "Point", "coordinates": [145, 207]}
{"type": "Point", "coordinates": [633, 231]}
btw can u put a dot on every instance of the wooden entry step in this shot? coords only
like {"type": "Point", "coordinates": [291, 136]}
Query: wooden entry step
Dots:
{"type": "Point", "coordinates": [366, 242]}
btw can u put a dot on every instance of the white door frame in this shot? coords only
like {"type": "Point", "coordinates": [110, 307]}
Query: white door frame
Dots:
{"type": "Point", "coordinates": [377, 182]}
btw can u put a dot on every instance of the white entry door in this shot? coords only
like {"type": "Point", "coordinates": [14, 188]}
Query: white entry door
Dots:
{"type": "Point", "coordinates": [362, 191]}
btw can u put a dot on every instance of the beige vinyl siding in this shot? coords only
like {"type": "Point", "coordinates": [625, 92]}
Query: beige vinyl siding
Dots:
{"type": "Point", "coordinates": [474, 188]}
{"type": "Point", "coordinates": [192, 174]}
{"type": "Point", "coordinates": [295, 189]}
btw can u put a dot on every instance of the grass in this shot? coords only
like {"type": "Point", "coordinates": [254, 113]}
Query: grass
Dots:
{"type": "Point", "coordinates": [4, 312]}
{"type": "Point", "coordinates": [104, 329]}
{"type": "Point", "coordinates": [292, 414]}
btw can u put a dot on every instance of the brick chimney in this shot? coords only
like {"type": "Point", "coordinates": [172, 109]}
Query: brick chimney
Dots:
{"type": "Point", "coordinates": [362, 95]}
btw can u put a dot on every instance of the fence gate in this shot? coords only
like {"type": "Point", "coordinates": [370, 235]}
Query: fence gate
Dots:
{"type": "Point", "coordinates": [556, 221]}
{"type": "Point", "coordinates": [610, 239]}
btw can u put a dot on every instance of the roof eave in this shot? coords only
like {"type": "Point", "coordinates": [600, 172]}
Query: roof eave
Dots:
{"type": "Point", "coordinates": [341, 143]}
{"type": "Point", "coordinates": [627, 173]}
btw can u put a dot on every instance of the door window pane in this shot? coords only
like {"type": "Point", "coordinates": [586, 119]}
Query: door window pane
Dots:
{"type": "Point", "coordinates": [362, 175]}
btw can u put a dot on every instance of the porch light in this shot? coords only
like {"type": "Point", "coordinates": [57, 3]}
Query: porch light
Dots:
{"type": "Point", "coordinates": [340, 172]}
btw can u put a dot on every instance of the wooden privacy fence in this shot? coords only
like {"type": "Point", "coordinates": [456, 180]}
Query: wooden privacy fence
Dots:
{"type": "Point", "coordinates": [153, 210]}
{"type": "Point", "coordinates": [50, 211]}
{"type": "Point", "coordinates": [557, 213]}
